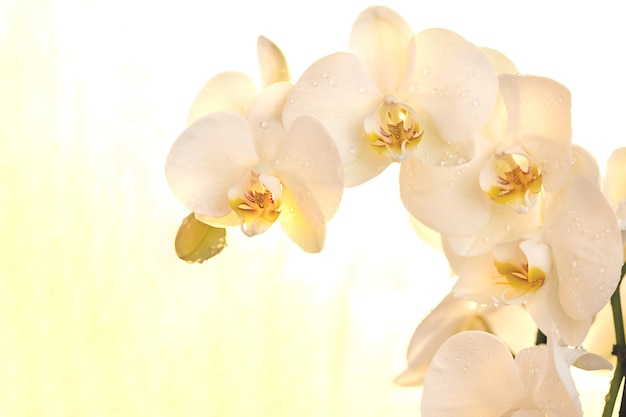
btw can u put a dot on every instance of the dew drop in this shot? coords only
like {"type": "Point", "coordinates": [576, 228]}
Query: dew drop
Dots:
{"type": "Point", "coordinates": [265, 124]}
{"type": "Point", "coordinates": [332, 83]}
{"type": "Point", "coordinates": [464, 93]}
{"type": "Point", "coordinates": [426, 70]}
{"type": "Point", "coordinates": [325, 75]}
{"type": "Point", "coordinates": [352, 151]}
{"type": "Point", "coordinates": [475, 102]}
{"type": "Point", "coordinates": [362, 90]}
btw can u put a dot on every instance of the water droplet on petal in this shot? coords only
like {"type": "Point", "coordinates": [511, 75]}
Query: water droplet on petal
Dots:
{"type": "Point", "coordinates": [332, 83]}
{"type": "Point", "coordinates": [362, 90]}
{"type": "Point", "coordinates": [426, 70]}
{"type": "Point", "coordinates": [325, 75]}
{"type": "Point", "coordinates": [475, 102]}
{"type": "Point", "coordinates": [265, 124]}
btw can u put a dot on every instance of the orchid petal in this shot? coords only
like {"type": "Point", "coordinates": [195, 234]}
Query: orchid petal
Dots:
{"type": "Point", "coordinates": [585, 165]}
{"type": "Point", "coordinates": [473, 373]}
{"type": "Point", "coordinates": [475, 273]}
{"type": "Point", "coordinates": [436, 195]}
{"type": "Point", "coordinates": [452, 81]}
{"type": "Point", "coordinates": [505, 224]}
{"type": "Point", "coordinates": [266, 122]}
{"type": "Point", "coordinates": [500, 62]}
{"type": "Point", "coordinates": [211, 155]}
{"type": "Point", "coordinates": [367, 164]}
{"type": "Point", "coordinates": [310, 167]}
{"type": "Point", "coordinates": [337, 90]}
{"type": "Point", "coordinates": [582, 359]}
{"type": "Point", "coordinates": [614, 184]}
{"type": "Point", "coordinates": [231, 219]}
{"type": "Point", "coordinates": [546, 310]}
{"type": "Point", "coordinates": [302, 221]}
{"type": "Point", "coordinates": [271, 62]}
{"type": "Point", "coordinates": [524, 412]}
{"type": "Point", "coordinates": [380, 37]}
{"type": "Point", "coordinates": [539, 118]}
{"type": "Point", "coordinates": [588, 249]}
{"type": "Point", "coordinates": [546, 375]}
{"type": "Point", "coordinates": [227, 91]}
{"type": "Point", "coordinates": [451, 316]}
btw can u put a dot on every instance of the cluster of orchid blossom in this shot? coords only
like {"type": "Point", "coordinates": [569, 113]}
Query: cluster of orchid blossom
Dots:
{"type": "Point", "coordinates": [538, 236]}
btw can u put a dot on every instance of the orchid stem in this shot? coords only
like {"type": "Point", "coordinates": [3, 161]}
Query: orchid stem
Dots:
{"type": "Point", "coordinates": [541, 338]}
{"type": "Point", "coordinates": [620, 343]}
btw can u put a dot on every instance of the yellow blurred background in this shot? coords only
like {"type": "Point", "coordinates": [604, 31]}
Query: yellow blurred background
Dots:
{"type": "Point", "coordinates": [98, 317]}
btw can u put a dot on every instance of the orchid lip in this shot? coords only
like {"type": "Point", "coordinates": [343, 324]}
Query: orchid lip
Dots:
{"type": "Point", "coordinates": [512, 178]}
{"type": "Point", "coordinates": [394, 128]}
{"type": "Point", "coordinates": [256, 199]}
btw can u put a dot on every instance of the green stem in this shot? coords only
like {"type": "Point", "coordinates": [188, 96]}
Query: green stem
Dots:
{"type": "Point", "coordinates": [541, 338]}
{"type": "Point", "coordinates": [620, 340]}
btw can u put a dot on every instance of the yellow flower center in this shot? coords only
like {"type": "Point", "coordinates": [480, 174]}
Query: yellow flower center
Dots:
{"type": "Point", "coordinates": [256, 199]}
{"type": "Point", "coordinates": [393, 128]}
{"type": "Point", "coordinates": [522, 268]}
{"type": "Point", "coordinates": [513, 179]}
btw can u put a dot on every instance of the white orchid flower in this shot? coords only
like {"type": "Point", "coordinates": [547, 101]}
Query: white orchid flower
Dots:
{"type": "Point", "coordinates": [395, 95]}
{"type": "Point", "coordinates": [495, 196]}
{"type": "Point", "coordinates": [454, 315]}
{"type": "Point", "coordinates": [614, 187]}
{"type": "Point", "coordinates": [257, 169]}
{"type": "Point", "coordinates": [474, 373]}
{"type": "Point", "coordinates": [233, 90]}
{"type": "Point", "coordinates": [565, 272]}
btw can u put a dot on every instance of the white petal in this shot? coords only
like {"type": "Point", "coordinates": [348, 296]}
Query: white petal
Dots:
{"type": "Point", "coordinates": [453, 81]}
{"type": "Point", "coordinates": [505, 224]}
{"type": "Point", "coordinates": [207, 158]}
{"type": "Point", "coordinates": [336, 90]}
{"type": "Point", "coordinates": [271, 62]}
{"type": "Point", "coordinates": [587, 247]}
{"type": "Point", "coordinates": [614, 185]}
{"type": "Point", "coordinates": [367, 164]}
{"type": "Point", "coordinates": [266, 122]}
{"type": "Point", "coordinates": [547, 377]}
{"type": "Point", "coordinates": [380, 38]}
{"type": "Point", "coordinates": [451, 316]}
{"type": "Point", "coordinates": [546, 310]}
{"type": "Point", "coordinates": [472, 374]}
{"type": "Point", "coordinates": [446, 199]}
{"type": "Point", "coordinates": [411, 377]}
{"type": "Point", "coordinates": [585, 165]}
{"type": "Point", "coordinates": [539, 118]}
{"type": "Point", "coordinates": [582, 359]}
{"type": "Point", "coordinates": [524, 412]}
{"type": "Point", "coordinates": [227, 91]}
{"type": "Point", "coordinates": [500, 62]}
{"type": "Point", "coordinates": [309, 165]}
{"type": "Point", "coordinates": [231, 219]}
{"type": "Point", "coordinates": [302, 221]}
{"type": "Point", "coordinates": [538, 255]}
{"type": "Point", "coordinates": [475, 273]}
